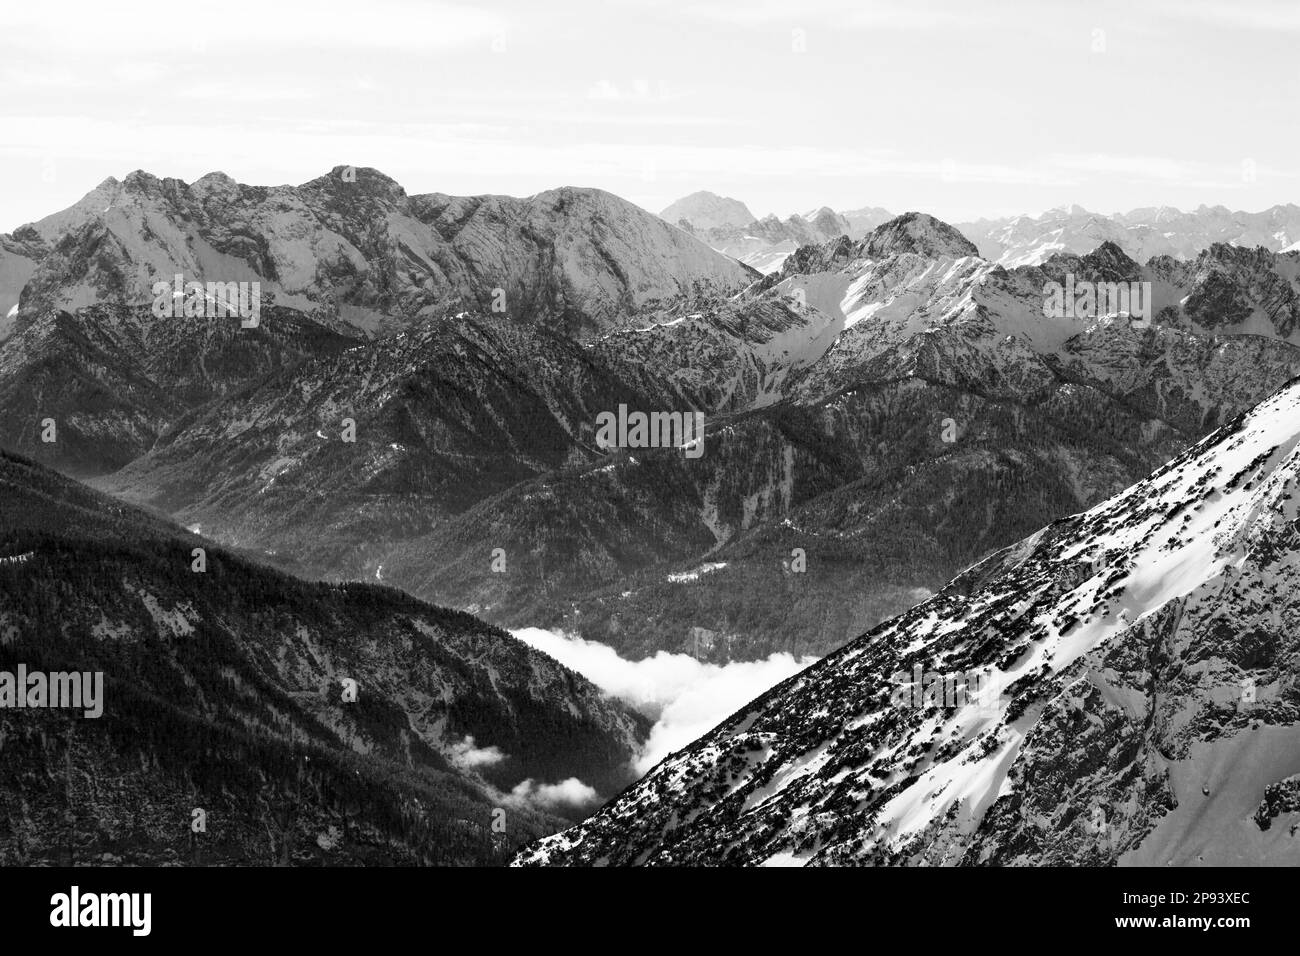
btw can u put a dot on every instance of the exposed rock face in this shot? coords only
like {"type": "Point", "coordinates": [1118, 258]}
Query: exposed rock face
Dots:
{"type": "Point", "coordinates": [1121, 687]}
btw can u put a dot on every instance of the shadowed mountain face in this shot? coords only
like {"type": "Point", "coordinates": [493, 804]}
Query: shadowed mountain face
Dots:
{"type": "Point", "coordinates": [117, 380]}
{"type": "Point", "coordinates": [1119, 687]}
{"type": "Point", "coordinates": [880, 413]}
{"type": "Point", "coordinates": [310, 723]}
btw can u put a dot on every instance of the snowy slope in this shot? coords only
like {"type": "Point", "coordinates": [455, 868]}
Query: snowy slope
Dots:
{"type": "Point", "coordinates": [1113, 724]}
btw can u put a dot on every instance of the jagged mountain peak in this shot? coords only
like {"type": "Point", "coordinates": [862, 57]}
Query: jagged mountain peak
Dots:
{"type": "Point", "coordinates": [765, 243]}
{"type": "Point", "coordinates": [1108, 262]}
{"type": "Point", "coordinates": [140, 180]}
{"type": "Point", "coordinates": [342, 180]}
{"type": "Point", "coordinates": [827, 220]}
{"type": "Point", "coordinates": [1228, 253]}
{"type": "Point", "coordinates": [919, 233]}
{"type": "Point", "coordinates": [912, 233]}
{"type": "Point", "coordinates": [215, 181]}
{"type": "Point", "coordinates": [1066, 209]}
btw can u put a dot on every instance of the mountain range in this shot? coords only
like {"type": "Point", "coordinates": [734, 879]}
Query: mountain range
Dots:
{"type": "Point", "coordinates": [1142, 233]}
{"type": "Point", "coordinates": [728, 226]}
{"type": "Point", "coordinates": [881, 412]}
{"type": "Point", "coordinates": [352, 247]}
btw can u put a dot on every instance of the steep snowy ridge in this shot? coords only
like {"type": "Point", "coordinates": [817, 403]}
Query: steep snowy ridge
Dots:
{"type": "Point", "coordinates": [1100, 659]}
{"type": "Point", "coordinates": [916, 294]}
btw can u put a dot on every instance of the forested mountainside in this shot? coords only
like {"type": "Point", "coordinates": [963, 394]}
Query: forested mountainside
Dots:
{"type": "Point", "coordinates": [311, 723]}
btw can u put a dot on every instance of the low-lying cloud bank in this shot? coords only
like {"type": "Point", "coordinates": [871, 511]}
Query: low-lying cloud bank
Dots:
{"type": "Point", "coordinates": [686, 698]}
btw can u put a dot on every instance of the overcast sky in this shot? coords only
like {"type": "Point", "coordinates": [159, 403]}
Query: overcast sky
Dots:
{"type": "Point", "coordinates": [960, 109]}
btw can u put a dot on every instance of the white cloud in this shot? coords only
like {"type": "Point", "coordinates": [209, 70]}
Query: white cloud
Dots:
{"type": "Point", "coordinates": [228, 92]}
{"type": "Point", "coordinates": [641, 90]}
{"type": "Point", "coordinates": [552, 796]}
{"type": "Point", "coordinates": [467, 756]}
{"type": "Point", "coordinates": [685, 697]}
{"type": "Point", "coordinates": [557, 797]}
{"type": "Point", "coordinates": [1271, 16]}
{"type": "Point", "coordinates": [839, 14]}
{"type": "Point", "coordinates": [233, 27]}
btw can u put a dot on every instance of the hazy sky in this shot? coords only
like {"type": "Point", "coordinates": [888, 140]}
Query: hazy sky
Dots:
{"type": "Point", "coordinates": [960, 109]}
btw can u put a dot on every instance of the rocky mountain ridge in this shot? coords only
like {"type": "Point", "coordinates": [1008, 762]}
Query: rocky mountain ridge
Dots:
{"type": "Point", "coordinates": [354, 246]}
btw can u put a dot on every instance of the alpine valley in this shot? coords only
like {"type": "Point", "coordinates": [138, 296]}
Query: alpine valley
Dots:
{"type": "Point", "coordinates": [881, 412]}
{"type": "Point", "coordinates": [895, 438]}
